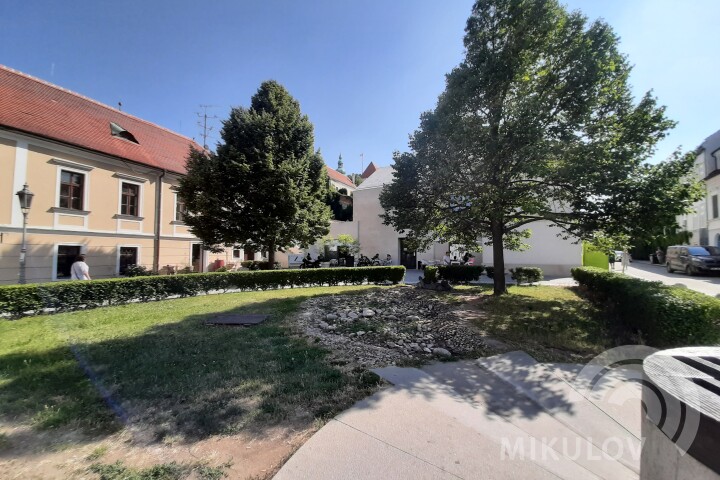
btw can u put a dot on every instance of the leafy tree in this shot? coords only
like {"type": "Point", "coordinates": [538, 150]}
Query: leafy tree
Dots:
{"type": "Point", "coordinates": [265, 188]}
{"type": "Point", "coordinates": [536, 124]}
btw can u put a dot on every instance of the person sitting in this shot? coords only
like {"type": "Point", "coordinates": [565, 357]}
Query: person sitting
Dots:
{"type": "Point", "coordinates": [466, 258]}
{"type": "Point", "coordinates": [446, 259]}
{"type": "Point", "coordinates": [388, 259]}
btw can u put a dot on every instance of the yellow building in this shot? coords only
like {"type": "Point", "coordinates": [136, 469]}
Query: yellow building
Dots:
{"type": "Point", "coordinates": [103, 182]}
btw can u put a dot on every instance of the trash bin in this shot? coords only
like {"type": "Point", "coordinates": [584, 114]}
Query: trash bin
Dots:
{"type": "Point", "coordinates": [350, 261]}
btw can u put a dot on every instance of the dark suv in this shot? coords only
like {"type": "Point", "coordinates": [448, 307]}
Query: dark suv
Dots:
{"type": "Point", "coordinates": [693, 259]}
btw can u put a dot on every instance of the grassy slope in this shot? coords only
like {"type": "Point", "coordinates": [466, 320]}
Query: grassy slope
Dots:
{"type": "Point", "coordinates": [548, 317]}
{"type": "Point", "coordinates": [160, 363]}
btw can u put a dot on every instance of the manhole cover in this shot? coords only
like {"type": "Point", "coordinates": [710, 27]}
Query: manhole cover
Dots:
{"type": "Point", "coordinates": [237, 319]}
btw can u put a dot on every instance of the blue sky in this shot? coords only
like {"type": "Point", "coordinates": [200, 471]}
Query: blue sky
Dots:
{"type": "Point", "coordinates": [362, 71]}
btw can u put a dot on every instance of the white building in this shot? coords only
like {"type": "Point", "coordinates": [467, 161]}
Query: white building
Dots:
{"type": "Point", "coordinates": [547, 251]}
{"type": "Point", "coordinates": [704, 222]}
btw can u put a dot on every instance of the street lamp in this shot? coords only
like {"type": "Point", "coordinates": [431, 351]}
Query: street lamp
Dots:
{"type": "Point", "coordinates": [25, 196]}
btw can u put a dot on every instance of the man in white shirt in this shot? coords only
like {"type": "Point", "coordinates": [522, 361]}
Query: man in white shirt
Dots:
{"type": "Point", "coordinates": [447, 259]}
{"type": "Point", "coordinates": [80, 270]}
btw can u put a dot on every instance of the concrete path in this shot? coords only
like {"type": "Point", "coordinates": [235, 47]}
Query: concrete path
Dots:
{"type": "Point", "coordinates": [504, 417]}
{"type": "Point", "coordinates": [658, 273]}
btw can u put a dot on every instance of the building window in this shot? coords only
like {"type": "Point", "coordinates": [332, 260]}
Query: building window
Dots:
{"type": "Point", "coordinates": [130, 201]}
{"type": "Point", "coordinates": [716, 159]}
{"type": "Point", "coordinates": [128, 257]}
{"type": "Point", "coordinates": [236, 253]}
{"type": "Point", "coordinates": [180, 209]}
{"type": "Point", "coordinates": [249, 255]}
{"type": "Point", "coordinates": [714, 206]}
{"type": "Point", "coordinates": [72, 186]}
{"type": "Point", "coordinates": [65, 258]}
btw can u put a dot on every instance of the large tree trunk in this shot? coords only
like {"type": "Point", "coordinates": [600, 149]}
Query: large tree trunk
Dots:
{"type": "Point", "coordinates": [498, 260]}
{"type": "Point", "coordinates": [271, 256]}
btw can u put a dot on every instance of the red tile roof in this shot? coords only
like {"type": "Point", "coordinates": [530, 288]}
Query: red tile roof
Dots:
{"type": "Point", "coordinates": [369, 170]}
{"type": "Point", "coordinates": [40, 108]}
{"type": "Point", "coordinates": [339, 177]}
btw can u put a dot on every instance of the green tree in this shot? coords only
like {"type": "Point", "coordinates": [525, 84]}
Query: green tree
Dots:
{"type": "Point", "coordinates": [536, 124]}
{"type": "Point", "coordinates": [265, 187]}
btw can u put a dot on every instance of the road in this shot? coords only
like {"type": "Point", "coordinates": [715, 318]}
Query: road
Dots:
{"type": "Point", "coordinates": [703, 284]}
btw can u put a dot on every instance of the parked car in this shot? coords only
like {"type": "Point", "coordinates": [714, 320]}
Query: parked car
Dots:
{"type": "Point", "coordinates": [693, 259]}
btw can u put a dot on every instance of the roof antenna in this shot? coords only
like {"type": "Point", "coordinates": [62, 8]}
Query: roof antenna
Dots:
{"type": "Point", "coordinates": [120, 106]}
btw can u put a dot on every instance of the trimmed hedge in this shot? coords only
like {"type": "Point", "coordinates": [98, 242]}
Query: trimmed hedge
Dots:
{"type": "Point", "coordinates": [526, 274]}
{"type": "Point", "coordinates": [460, 273]}
{"type": "Point", "coordinates": [33, 299]}
{"type": "Point", "coordinates": [430, 274]}
{"type": "Point", "coordinates": [665, 316]}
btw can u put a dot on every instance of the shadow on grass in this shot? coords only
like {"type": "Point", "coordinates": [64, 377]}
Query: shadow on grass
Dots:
{"type": "Point", "coordinates": [527, 316]}
{"type": "Point", "coordinates": [184, 379]}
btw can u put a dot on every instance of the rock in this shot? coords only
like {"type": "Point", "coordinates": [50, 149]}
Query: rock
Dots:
{"type": "Point", "coordinates": [391, 317]}
{"type": "Point", "coordinates": [368, 313]}
{"type": "Point", "coordinates": [441, 352]}
{"type": "Point", "coordinates": [427, 350]}
{"type": "Point", "coordinates": [494, 344]}
{"type": "Point", "coordinates": [323, 325]}
{"type": "Point", "coordinates": [353, 316]}
{"type": "Point", "coordinates": [331, 316]}
{"type": "Point", "coordinates": [413, 318]}
{"type": "Point", "coordinates": [360, 333]}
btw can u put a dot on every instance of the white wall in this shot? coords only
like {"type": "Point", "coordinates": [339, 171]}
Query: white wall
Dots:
{"type": "Point", "coordinates": [547, 251]}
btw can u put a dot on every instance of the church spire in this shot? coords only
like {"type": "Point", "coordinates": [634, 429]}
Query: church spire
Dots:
{"type": "Point", "coordinates": [340, 165]}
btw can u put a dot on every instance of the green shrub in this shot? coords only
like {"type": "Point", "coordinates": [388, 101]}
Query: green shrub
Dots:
{"type": "Point", "coordinates": [430, 275]}
{"type": "Point", "coordinates": [259, 265]}
{"type": "Point", "coordinates": [221, 269]}
{"type": "Point", "coordinates": [33, 299]}
{"type": "Point", "coordinates": [664, 316]}
{"type": "Point", "coordinates": [137, 271]}
{"type": "Point", "coordinates": [489, 271]}
{"type": "Point", "coordinates": [460, 273]}
{"type": "Point", "coordinates": [526, 274]}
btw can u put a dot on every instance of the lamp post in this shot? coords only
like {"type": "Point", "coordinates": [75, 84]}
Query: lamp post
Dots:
{"type": "Point", "coordinates": [25, 196]}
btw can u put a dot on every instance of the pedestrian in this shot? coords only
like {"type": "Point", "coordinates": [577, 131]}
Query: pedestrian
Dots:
{"type": "Point", "coordinates": [446, 258]}
{"type": "Point", "coordinates": [611, 259]}
{"type": "Point", "coordinates": [625, 260]}
{"type": "Point", "coordinates": [79, 269]}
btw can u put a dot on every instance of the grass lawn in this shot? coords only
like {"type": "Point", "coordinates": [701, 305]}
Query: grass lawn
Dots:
{"type": "Point", "coordinates": [157, 363]}
{"type": "Point", "coordinates": [551, 323]}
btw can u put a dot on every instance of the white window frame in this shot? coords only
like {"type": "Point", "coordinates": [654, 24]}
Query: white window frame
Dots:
{"type": "Point", "coordinates": [56, 248]}
{"type": "Point", "coordinates": [138, 259]}
{"type": "Point", "coordinates": [175, 210]}
{"type": "Point", "coordinates": [64, 165]}
{"type": "Point", "coordinates": [141, 194]}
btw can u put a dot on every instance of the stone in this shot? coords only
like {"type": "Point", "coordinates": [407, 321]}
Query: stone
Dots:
{"type": "Point", "coordinates": [391, 317]}
{"type": "Point", "coordinates": [353, 316]}
{"type": "Point", "coordinates": [427, 350]}
{"type": "Point", "coordinates": [323, 325]}
{"type": "Point", "coordinates": [368, 313]}
{"type": "Point", "coordinates": [331, 317]}
{"type": "Point", "coordinates": [413, 318]}
{"type": "Point", "coordinates": [360, 333]}
{"type": "Point", "coordinates": [441, 352]}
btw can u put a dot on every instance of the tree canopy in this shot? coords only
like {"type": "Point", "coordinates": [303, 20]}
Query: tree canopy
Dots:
{"type": "Point", "coordinates": [536, 124]}
{"type": "Point", "coordinates": [265, 187]}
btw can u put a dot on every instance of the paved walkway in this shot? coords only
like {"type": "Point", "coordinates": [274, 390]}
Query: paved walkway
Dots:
{"type": "Point", "coordinates": [503, 417]}
{"type": "Point", "coordinates": [658, 273]}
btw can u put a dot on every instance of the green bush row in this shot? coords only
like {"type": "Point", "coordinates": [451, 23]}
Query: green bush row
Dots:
{"type": "Point", "coordinates": [526, 274]}
{"type": "Point", "coordinates": [460, 273]}
{"type": "Point", "coordinates": [665, 316]}
{"type": "Point", "coordinates": [20, 300]}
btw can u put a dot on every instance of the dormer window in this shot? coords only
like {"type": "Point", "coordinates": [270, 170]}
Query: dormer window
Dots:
{"type": "Point", "coordinates": [716, 159]}
{"type": "Point", "coordinates": [118, 131]}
